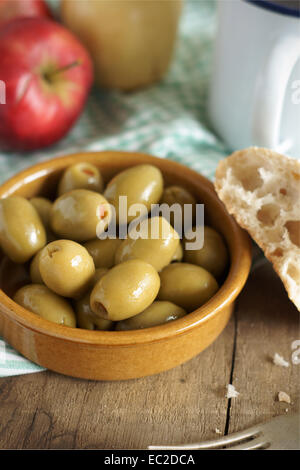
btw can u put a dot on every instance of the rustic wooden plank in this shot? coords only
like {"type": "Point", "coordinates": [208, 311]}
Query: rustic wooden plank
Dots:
{"type": "Point", "coordinates": [47, 410]}
{"type": "Point", "coordinates": [267, 323]}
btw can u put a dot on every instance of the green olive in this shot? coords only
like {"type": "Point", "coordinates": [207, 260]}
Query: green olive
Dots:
{"type": "Point", "coordinates": [141, 184]}
{"type": "Point", "coordinates": [186, 285]}
{"type": "Point", "coordinates": [157, 243]}
{"type": "Point", "coordinates": [40, 300]}
{"type": "Point", "coordinates": [66, 268]}
{"type": "Point", "coordinates": [213, 256]}
{"type": "Point", "coordinates": [80, 215]}
{"type": "Point", "coordinates": [178, 255]}
{"type": "Point", "coordinates": [87, 319]}
{"type": "Point", "coordinates": [156, 314]}
{"type": "Point", "coordinates": [126, 290]}
{"type": "Point", "coordinates": [103, 251]}
{"type": "Point", "coordinates": [34, 269]}
{"type": "Point", "coordinates": [177, 194]}
{"type": "Point", "coordinates": [99, 272]}
{"type": "Point", "coordinates": [22, 233]}
{"type": "Point", "coordinates": [181, 196]}
{"type": "Point", "coordinates": [43, 207]}
{"type": "Point", "coordinates": [81, 176]}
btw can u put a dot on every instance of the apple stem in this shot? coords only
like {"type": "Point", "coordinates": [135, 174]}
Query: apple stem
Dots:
{"type": "Point", "coordinates": [49, 76]}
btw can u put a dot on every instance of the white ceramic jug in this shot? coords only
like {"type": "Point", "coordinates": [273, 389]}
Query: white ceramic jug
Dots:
{"type": "Point", "coordinates": [255, 87]}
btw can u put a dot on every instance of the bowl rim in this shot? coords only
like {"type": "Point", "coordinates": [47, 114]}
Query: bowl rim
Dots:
{"type": "Point", "coordinates": [229, 290]}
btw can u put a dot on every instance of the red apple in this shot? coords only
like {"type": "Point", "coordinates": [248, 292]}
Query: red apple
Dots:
{"type": "Point", "coordinates": [47, 75]}
{"type": "Point", "coordinates": [10, 9]}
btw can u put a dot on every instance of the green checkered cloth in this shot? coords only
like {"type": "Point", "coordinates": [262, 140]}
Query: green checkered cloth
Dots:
{"type": "Point", "coordinates": [167, 120]}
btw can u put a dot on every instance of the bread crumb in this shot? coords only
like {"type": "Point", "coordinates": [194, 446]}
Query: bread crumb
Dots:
{"type": "Point", "coordinates": [282, 396]}
{"type": "Point", "coordinates": [296, 354]}
{"type": "Point", "coordinates": [217, 431]}
{"type": "Point", "coordinates": [231, 391]}
{"type": "Point", "coordinates": [279, 361]}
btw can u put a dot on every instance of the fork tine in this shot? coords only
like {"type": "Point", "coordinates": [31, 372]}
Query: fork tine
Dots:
{"type": "Point", "coordinates": [254, 444]}
{"type": "Point", "coordinates": [253, 438]}
{"type": "Point", "coordinates": [214, 444]}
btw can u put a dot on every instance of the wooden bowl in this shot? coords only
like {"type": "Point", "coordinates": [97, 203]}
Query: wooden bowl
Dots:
{"type": "Point", "coordinates": [118, 355]}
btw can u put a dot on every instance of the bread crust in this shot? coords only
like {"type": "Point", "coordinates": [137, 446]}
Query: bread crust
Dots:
{"type": "Point", "coordinates": [261, 189]}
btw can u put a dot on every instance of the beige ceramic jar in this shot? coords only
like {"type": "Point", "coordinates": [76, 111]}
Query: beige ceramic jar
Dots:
{"type": "Point", "coordinates": [131, 41]}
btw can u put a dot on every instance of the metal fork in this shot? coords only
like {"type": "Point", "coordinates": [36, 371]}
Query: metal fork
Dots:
{"type": "Point", "coordinates": [281, 433]}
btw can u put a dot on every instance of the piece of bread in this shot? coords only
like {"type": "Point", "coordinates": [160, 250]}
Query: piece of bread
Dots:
{"type": "Point", "coordinates": [261, 189]}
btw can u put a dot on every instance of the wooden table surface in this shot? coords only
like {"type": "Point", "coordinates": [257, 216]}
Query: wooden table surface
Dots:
{"type": "Point", "coordinates": [46, 410]}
